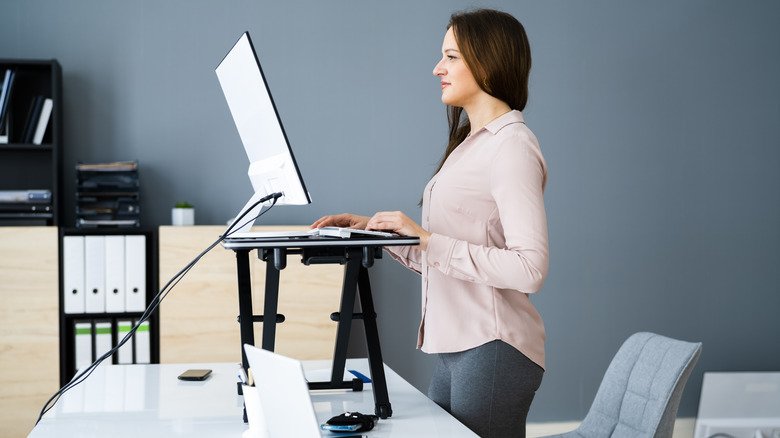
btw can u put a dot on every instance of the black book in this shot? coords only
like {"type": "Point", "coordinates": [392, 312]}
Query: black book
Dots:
{"type": "Point", "coordinates": [32, 119]}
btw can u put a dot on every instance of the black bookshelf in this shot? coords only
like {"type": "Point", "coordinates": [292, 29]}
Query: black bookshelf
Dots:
{"type": "Point", "coordinates": [67, 321]}
{"type": "Point", "coordinates": [26, 166]}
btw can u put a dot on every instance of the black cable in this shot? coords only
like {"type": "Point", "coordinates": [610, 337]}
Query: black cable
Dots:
{"type": "Point", "coordinates": [158, 298]}
{"type": "Point", "coordinates": [155, 303]}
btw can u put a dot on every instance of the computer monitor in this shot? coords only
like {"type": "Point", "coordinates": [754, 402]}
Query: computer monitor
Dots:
{"type": "Point", "coordinates": [272, 166]}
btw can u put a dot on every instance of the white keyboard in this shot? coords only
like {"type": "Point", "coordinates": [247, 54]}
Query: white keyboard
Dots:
{"type": "Point", "coordinates": [349, 232]}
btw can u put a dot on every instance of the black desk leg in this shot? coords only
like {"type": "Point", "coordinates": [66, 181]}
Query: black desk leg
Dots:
{"type": "Point", "coordinates": [381, 399]}
{"type": "Point", "coordinates": [346, 311]}
{"type": "Point", "coordinates": [244, 303]}
{"type": "Point", "coordinates": [271, 302]}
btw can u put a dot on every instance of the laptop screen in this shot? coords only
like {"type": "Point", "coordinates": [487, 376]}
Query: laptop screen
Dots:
{"type": "Point", "coordinates": [284, 394]}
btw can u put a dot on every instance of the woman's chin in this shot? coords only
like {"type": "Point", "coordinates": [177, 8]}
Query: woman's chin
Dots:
{"type": "Point", "coordinates": [448, 101]}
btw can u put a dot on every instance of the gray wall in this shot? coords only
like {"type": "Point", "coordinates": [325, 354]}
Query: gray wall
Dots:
{"type": "Point", "coordinates": [658, 121]}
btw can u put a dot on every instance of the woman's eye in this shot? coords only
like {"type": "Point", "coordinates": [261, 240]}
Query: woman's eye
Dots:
{"type": "Point", "coordinates": [450, 57]}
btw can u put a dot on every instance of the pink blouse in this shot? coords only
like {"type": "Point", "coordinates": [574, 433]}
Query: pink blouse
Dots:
{"type": "Point", "coordinates": [488, 247]}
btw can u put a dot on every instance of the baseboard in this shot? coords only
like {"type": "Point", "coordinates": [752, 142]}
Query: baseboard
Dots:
{"type": "Point", "coordinates": [683, 428]}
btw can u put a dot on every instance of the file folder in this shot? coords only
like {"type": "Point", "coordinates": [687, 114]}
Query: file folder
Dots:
{"type": "Point", "coordinates": [135, 273]}
{"type": "Point", "coordinates": [125, 354]}
{"type": "Point", "coordinates": [83, 334]}
{"type": "Point", "coordinates": [102, 340]}
{"type": "Point", "coordinates": [73, 274]}
{"type": "Point", "coordinates": [142, 344]}
{"type": "Point", "coordinates": [115, 274]}
{"type": "Point", "coordinates": [95, 273]}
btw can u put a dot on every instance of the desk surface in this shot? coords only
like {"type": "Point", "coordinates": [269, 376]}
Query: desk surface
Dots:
{"type": "Point", "coordinates": [149, 401]}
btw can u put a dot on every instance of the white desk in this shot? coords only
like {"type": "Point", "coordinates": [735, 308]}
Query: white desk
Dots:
{"type": "Point", "coordinates": [739, 404]}
{"type": "Point", "coordinates": [148, 401]}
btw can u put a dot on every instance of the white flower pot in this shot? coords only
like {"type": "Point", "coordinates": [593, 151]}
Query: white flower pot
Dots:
{"type": "Point", "coordinates": [183, 216]}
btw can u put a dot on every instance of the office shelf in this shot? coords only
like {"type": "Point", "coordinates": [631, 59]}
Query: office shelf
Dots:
{"type": "Point", "coordinates": [67, 321]}
{"type": "Point", "coordinates": [29, 166]}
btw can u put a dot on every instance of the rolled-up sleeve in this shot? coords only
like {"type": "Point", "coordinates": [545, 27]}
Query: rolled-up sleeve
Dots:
{"type": "Point", "coordinates": [409, 256]}
{"type": "Point", "coordinates": [517, 178]}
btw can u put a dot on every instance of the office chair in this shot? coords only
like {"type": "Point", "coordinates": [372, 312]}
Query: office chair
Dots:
{"type": "Point", "coordinates": [641, 390]}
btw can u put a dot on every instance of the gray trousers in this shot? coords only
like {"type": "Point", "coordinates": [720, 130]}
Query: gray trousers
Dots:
{"type": "Point", "coordinates": [488, 388]}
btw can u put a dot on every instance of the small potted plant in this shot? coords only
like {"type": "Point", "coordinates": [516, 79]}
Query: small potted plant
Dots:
{"type": "Point", "coordinates": [183, 214]}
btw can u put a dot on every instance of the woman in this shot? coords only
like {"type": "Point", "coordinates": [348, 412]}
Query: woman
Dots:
{"type": "Point", "coordinates": [483, 239]}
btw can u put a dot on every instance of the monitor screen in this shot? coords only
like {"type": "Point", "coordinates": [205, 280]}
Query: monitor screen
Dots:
{"type": "Point", "coordinates": [272, 166]}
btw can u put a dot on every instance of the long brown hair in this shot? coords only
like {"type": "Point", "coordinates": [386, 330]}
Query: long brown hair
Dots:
{"type": "Point", "coordinates": [496, 50]}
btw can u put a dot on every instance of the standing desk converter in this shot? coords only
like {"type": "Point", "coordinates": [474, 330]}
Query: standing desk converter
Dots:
{"type": "Point", "coordinates": [358, 254]}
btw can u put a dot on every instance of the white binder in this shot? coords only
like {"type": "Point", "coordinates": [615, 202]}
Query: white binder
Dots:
{"type": "Point", "coordinates": [125, 355]}
{"type": "Point", "coordinates": [73, 274]}
{"type": "Point", "coordinates": [135, 273]}
{"type": "Point", "coordinates": [115, 274]}
{"type": "Point", "coordinates": [95, 273]}
{"type": "Point", "coordinates": [102, 340]}
{"type": "Point", "coordinates": [83, 333]}
{"type": "Point", "coordinates": [142, 344]}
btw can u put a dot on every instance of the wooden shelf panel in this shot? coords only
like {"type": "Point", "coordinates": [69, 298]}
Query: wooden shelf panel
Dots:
{"type": "Point", "coordinates": [198, 319]}
{"type": "Point", "coordinates": [29, 333]}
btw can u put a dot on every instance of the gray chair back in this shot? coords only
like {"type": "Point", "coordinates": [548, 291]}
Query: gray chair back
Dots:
{"type": "Point", "coordinates": [641, 389]}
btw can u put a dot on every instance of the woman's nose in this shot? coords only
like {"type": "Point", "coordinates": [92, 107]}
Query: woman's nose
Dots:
{"type": "Point", "coordinates": [437, 69]}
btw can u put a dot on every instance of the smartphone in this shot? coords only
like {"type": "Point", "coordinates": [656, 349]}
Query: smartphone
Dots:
{"type": "Point", "coordinates": [194, 375]}
{"type": "Point", "coordinates": [340, 427]}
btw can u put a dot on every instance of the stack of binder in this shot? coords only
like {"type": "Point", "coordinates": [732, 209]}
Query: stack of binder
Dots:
{"type": "Point", "coordinates": [101, 336]}
{"type": "Point", "coordinates": [107, 195]}
{"type": "Point", "coordinates": [104, 274]}
{"type": "Point", "coordinates": [104, 293]}
{"type": "Point", "coordinates": [25, 205]}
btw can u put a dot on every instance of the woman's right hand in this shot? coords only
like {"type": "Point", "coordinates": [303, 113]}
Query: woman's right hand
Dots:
{"type": "Point", "coordinates": [344, 220]}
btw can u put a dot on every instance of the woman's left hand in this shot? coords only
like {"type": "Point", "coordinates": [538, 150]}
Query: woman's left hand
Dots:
{"type": "Point", "coordinates": [400, 223]}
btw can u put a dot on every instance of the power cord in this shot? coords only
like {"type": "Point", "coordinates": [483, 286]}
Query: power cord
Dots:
{"type": "Point", "coordinates": [158, 298]}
